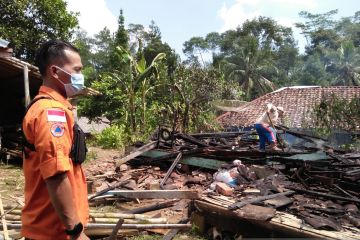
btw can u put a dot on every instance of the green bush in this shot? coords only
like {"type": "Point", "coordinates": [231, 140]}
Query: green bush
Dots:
{"type": "Point", "coordinates": [112, 137]}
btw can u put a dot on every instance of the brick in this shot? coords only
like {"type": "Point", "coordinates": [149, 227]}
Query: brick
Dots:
{"type": "Point", "coordinates": [224, 189]}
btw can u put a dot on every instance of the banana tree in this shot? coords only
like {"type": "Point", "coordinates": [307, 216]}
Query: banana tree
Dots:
{"type": "Point", "coordinates": [137, 83]}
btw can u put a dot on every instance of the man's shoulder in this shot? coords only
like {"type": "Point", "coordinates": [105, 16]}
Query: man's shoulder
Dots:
{"type": "Point", "coordinates": [47, 105]}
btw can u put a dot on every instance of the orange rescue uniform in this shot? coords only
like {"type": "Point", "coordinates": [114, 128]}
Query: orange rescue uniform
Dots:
{"type": "Point", "coordinates": [48, 125]}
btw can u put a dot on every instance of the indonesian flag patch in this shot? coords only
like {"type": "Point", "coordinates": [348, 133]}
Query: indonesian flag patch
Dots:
{"type": "Point", "coordinates": [56, 115]}
{"type": "Point", "coordinates": [57, 129]}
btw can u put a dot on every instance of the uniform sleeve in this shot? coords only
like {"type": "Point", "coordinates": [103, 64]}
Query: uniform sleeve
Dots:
{"type": "Point", "coordinates": [52, 140]}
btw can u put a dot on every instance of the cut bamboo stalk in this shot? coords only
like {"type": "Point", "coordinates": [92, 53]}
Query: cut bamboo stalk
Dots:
{"type": "Point", "coordinates": [11, 217]}
{"type": "Point", "coordinates": [96, 214]}
{"type": "Point", "coordinates": [124, 226]}
{"type": "Point", "coordinates": [4, 225]}
{"type": "Point", "coordinates": [131, 221]}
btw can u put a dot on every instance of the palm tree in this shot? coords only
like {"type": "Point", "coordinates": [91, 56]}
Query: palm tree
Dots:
{"type": "Point", "coordinates": [247, 64]}
{"type": "Point", "coordinates": [344, 63]}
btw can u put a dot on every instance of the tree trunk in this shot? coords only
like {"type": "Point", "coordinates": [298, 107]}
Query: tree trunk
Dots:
{"type": "Point", "coordinates": [186, 116]}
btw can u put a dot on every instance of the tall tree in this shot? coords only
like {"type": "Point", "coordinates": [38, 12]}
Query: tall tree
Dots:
{"type": "Point", "coordinates": [104, 46]}
{"type": "Point", "coordinates": [318, 30]}
{"type": "Point", "coordinates": [249, 53]}
{"type": "Point", "coordinates": [28, 23]}
{"type": "Point", "coordinates": [344, 64]}
{"type": "Point", "coordinates": [121, 40]}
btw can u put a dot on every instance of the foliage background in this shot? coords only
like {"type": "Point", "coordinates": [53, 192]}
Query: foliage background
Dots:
{"type": "Point", "coordinates": [145, 84]}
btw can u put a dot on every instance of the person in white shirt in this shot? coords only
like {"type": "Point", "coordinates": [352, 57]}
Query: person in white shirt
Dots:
{"type": "Point", "coordinates": [264, 129]}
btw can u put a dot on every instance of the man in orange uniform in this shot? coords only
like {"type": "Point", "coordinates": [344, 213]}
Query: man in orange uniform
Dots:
{"type": "Point", "coordinates": [56, 205]}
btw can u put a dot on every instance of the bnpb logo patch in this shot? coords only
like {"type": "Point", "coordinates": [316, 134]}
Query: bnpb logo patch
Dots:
{"type": "Point", "coordinates": [57, 129]}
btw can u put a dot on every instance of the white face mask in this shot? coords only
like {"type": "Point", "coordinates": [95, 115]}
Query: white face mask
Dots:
{"type": "Point", "coordinates": [76, 85]}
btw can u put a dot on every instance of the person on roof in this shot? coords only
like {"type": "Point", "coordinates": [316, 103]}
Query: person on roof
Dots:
{"type": "Point", "coordinates": [264, 126]}
{"type": "Point", "coordinates": [56, 205]}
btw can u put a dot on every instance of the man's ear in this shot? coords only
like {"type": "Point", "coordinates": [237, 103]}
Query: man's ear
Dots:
{"type": "Point", "coordinates": [53, 71]}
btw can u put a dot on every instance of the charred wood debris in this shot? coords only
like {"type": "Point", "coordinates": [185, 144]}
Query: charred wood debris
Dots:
{"type": "Point", "coordinates": [317, 183]}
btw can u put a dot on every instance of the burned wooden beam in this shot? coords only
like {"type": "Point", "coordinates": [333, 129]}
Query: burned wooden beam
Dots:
{"type": "Point", "coordinates": [153, 207]}
{"type": "Point", "coordinates": [107, 189]}
{"type": "Point", "coordinates": [191, 139]}
{"type": "Point", "coordinates": [325, 195]}
{"type": "Point", "coordinates": [222, 134]}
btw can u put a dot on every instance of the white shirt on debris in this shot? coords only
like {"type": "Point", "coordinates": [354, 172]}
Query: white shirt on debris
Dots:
{"type": "Point", "coordinates": [273, 114]}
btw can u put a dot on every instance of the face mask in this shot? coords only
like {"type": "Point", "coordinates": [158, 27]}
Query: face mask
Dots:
{"type": "Point", "coordinates": [76, 85]}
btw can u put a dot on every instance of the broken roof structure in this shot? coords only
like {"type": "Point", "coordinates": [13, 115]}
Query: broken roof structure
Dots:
{"type": "Point", "coordinates": [297, 102]}
{"type": "Point", "coordinates": [20, 81]}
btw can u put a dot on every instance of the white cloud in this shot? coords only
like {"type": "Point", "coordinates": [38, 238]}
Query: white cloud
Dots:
{"type": "Point", "coordinates": [236, 14]}
{"type": "Point", "coordinates": [94, 15]}
{"type": "Point", "coordinates": [242, 10]}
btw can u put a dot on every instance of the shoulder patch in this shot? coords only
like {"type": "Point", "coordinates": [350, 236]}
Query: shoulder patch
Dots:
{"type": "Point", "coordinates": [56, 115]}
{"type": "Point", "coordinates": [57, 129]}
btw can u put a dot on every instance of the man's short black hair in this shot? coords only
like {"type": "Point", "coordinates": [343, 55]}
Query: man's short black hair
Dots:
{"type": "Point", "coordinates": [51, 50]}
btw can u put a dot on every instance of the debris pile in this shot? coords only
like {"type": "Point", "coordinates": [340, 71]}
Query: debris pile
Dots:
{"type": "Point", "coordinates": [314, 187]}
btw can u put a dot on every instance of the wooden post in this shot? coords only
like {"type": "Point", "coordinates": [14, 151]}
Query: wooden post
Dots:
{"type": "Point", "coordinates": [26, 85]}
{"type": "Point", "coordinates": [170, 169]}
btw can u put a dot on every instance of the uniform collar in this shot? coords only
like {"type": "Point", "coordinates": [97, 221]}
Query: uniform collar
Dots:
{"type": "Point", "coordinates": [44, 90]}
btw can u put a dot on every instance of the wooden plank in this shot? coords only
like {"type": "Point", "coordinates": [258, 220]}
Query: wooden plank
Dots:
{"type": "Point", "coordinates": [155, 194]}
{"type": "Point", "coordinates": [175, 162]}
{"type": "Point", "coordinates": [138, 152]}
{"type": "Point", "coordinates": [283, 222]}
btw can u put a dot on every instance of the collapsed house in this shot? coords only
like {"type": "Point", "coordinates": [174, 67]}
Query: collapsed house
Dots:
{"type": "Point", "coordinates": [298, 103]}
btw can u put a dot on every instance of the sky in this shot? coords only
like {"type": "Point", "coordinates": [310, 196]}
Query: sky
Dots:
{"type": "Point", "coordinates": [180, 20]}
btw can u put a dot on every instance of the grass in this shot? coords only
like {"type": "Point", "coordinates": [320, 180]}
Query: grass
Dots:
{"type": "Point", "coordinates": [11, 181]}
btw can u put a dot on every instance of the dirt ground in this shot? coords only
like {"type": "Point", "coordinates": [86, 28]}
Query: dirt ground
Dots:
{"type": "Point", "coordinates": [99, 161]}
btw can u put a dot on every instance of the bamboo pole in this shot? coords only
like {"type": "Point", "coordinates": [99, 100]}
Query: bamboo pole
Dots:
{"type": "Point", "coordinates": [12, 217]}
{"type": "Point", "coordinates": [96, 214]}
{"type": "Point", "coordinates": [124, 226]}
{"type": "Point", "coordinates": [4, 225]}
